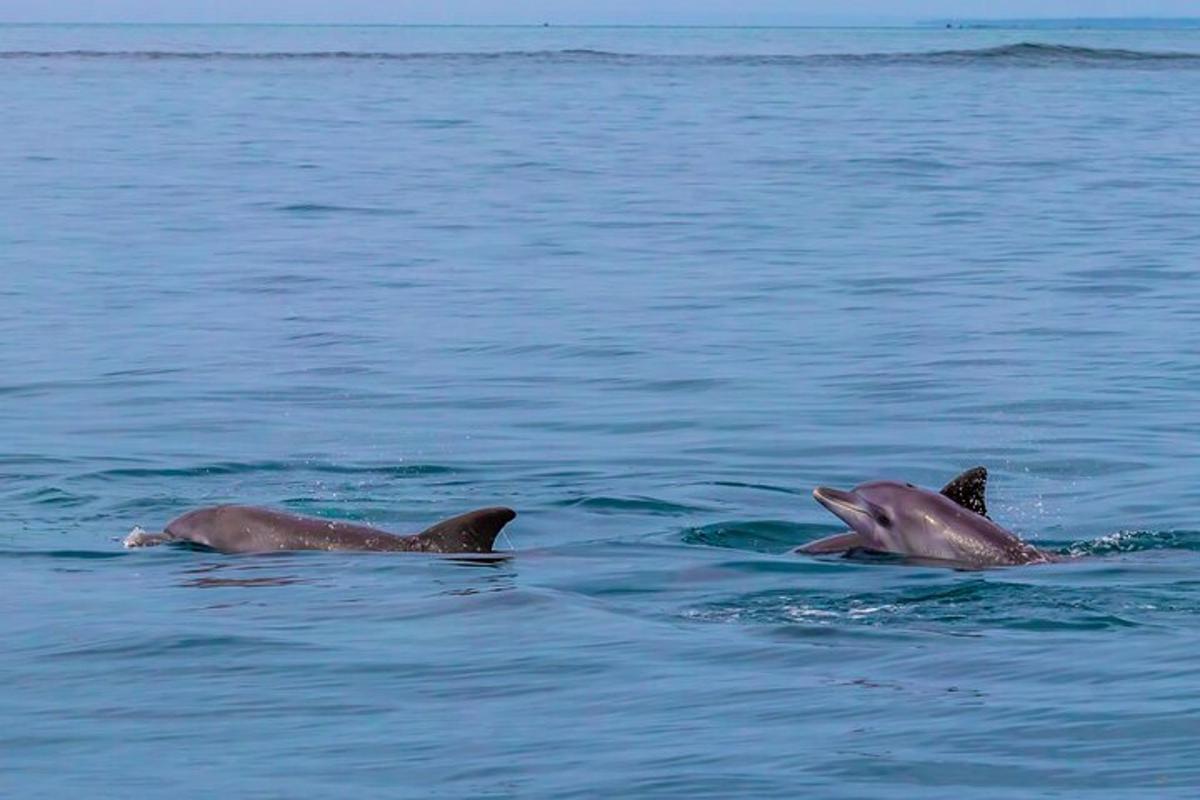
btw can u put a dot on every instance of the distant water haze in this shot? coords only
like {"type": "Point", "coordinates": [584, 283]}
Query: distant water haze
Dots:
{"type": "Point", "coordinates": [654, 12]}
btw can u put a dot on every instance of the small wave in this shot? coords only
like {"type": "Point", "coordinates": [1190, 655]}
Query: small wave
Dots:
{"type": "Point", "coordinates": [968, 607]}
{"type": "Point", "coordinates": [72, 555]}
{"type": "Point", "coordinates": [1052, 53]}
{"type": "Point", "coordinates": [180, 645]}
{"type": "Point", "coordinates": [585, 51]}
{"type": "Point", "coordinates": [255, 467]}
{"type": "Point", "coordinates": [1030, 54]}
{"type": "Point", "coordinates": [762, 487]}
{"type": "Point", "coordinates": [761, 536]}
{"type": "Point", "coordinates": [54, 496]}
{"type": "Point", "coordinates": [1017, 54]}
{"type": "Point", "coordinates": [1135, 542]}
{"type": "Point", "coordinates": [649, 505]}
{"type": "Point", "coordinates": [309, 55]}
{"type": "Point", "coordinates": [243, 583]}
{"type": "Point", "coordinates": [323, 208]}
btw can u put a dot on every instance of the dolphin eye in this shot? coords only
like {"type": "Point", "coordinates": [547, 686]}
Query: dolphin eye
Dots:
{"type": "Point", "coordinates": [883, 520]}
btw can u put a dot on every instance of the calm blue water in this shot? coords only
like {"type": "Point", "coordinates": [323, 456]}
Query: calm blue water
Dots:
{"type": "Point", "coordinates": [649, 287]}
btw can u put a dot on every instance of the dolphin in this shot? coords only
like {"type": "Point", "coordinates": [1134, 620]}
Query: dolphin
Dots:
{"type": "Point", "coordinates": [926, 527]}
{"type": "Point", "coordinates": [968, 489]}
{"type": "Point", "coordinates": [246, 529]}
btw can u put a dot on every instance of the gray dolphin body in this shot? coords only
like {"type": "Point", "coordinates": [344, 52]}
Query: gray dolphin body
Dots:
{"type": "Point", "coordinates": [968, 489]}
{"type": "Point", "coordinates": [246, 529]}
{"type": "Point", "coordinates": [926, 526]}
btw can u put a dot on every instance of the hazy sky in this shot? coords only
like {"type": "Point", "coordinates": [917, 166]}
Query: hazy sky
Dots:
{"type": "Point", "coordinates": [732, 12]}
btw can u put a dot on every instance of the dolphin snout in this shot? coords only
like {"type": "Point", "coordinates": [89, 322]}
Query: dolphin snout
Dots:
{"type": "Point", "coordinates": [834, 497]}
{"type": "Point", "coordinates": [846, 506]}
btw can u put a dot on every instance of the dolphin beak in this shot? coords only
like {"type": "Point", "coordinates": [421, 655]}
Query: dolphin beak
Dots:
{"type": "Point", "coordinates": [844, 505]}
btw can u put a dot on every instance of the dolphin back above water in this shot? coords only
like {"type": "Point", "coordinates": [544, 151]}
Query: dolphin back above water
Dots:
{"type": "Point", "coordinates": [946, 527]}
{"type": "Point", "coordinates": [247, 529]}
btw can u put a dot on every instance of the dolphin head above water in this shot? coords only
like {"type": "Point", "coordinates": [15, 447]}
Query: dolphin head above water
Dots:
{"type": "Point", "coordinates": [908, 520]}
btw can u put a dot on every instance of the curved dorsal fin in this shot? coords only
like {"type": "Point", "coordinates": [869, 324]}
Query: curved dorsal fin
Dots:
{"type": "Point", "coordinates": [473, 532]}
{"type": "Point", "coordinates": [969, 490]}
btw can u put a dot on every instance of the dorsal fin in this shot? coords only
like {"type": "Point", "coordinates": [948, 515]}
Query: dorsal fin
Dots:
{"type": "Point", "coordinates": [969, 490]}
{"type": "Point", "coordinates": [473, 532]}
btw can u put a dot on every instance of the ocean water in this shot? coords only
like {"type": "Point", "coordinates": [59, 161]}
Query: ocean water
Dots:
{"type": "Point", "coordinates": [649, 287]}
